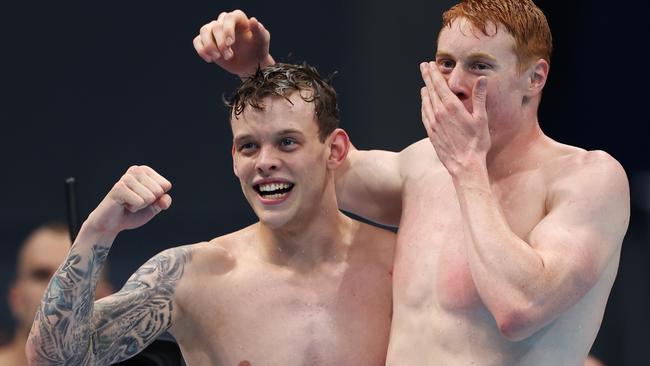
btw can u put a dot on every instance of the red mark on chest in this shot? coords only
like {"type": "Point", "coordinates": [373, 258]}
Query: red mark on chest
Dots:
{"type": "Point", "coordinates": [244, 363]}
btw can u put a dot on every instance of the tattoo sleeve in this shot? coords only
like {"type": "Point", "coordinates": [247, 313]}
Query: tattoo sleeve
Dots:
{"type": "Point", "coordinates": [70, 328]}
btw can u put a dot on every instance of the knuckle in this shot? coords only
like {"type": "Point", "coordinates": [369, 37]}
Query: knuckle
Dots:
{"type": "Point", "coordinates": [126, 178]}
{"type": "Point", "coordinates": [120, 186]}
{"type": "Point", "coordinates": [149, 198]}
{"type": "Point", "coordinates": [132, 169]}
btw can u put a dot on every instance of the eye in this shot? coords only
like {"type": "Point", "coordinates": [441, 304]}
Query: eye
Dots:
{"type": "Point", "coordinates": [481, 66]}
{"type": "Point", "coordinates": [247, 147]}
{"type": "Point", "coordinates": [40, 274]}
{"type": "Point", "coordinates": [446, 65]}
{"type": "Point", "coordinates": [287, 143]}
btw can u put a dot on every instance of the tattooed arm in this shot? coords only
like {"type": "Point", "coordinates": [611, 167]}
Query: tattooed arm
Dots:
{"type": "Point", "coordinates": [70, 328]}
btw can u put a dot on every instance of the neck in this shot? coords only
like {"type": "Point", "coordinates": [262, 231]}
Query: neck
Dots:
{"type": "Point", "coordinates": [319, 236]}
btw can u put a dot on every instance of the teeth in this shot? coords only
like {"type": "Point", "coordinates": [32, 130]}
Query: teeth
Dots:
{"type": "Point", "coordinates": [273, 187]}
{"type": "Point", "coordinates": [275, 196]}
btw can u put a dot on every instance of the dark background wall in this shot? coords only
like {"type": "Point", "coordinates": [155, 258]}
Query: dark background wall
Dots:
{"type": "Point", "coordinates": [90, 88]}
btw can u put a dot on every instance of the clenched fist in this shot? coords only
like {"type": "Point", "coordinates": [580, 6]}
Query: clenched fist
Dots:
{"type": "Point", "coordinates": [139, 195]}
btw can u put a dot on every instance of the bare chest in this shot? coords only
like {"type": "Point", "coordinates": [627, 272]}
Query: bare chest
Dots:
{"type": "Point", "coordinates": [271, 317]}
{"type": "Point", "coordinates": [431, 265]}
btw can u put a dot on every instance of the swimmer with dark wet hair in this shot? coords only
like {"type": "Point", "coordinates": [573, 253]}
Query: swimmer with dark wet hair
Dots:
{"type": "Point", "coordinates": [305, 285]}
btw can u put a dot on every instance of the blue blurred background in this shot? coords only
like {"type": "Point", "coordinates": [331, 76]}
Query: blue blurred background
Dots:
{"type": "Point", "coordinates": [90, 88]}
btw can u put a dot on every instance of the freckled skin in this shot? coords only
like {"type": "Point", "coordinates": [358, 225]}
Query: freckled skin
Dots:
{"type": "Point", "coordinates": [508, 245]}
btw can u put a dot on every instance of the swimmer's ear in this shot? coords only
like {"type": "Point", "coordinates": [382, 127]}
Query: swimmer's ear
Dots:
{"type": "Point", "coordinates": [234, 164]}
{"type": "Point", "coordinates": [339, 145]}
{"type": "Point", "coordinates": [537, 76]}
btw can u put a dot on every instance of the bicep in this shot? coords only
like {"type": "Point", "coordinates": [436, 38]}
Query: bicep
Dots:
{"type": "Point", "coordinates": [127, 321]}
{"type": "Point", "coordinates": [371, 186]}
{"type": "Point", "coordinates": [583, 231]}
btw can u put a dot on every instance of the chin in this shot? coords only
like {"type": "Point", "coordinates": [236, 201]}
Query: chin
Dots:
{"type": "Point", "coordinates": [273, 219]}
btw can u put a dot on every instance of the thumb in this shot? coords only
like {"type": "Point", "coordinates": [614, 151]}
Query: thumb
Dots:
{"type": "Point", "coordinates": [162, 203]}
{"type": "Point", "coordinates": [256, 27]}
{"type": "Point", "coordinates": [479, 97]}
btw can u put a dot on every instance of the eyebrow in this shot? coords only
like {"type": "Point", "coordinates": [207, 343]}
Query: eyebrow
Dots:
{"type": "Point", "coordinates": [471, 56]}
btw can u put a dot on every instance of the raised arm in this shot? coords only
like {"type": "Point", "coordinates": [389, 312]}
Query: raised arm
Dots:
{"type": "Point", "coordinates": [235, 42]}
{"type": "Point", "coordinates": [526, 283]}
{"type": "Point", "coordinates": [70, 328]}
{"type": "Point", "coordinates": [369, 184]}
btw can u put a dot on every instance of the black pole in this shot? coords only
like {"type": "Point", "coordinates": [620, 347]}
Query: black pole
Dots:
{"type": "Point", "coordinates": [72, 208]}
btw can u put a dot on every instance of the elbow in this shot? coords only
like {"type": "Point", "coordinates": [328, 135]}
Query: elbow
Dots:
{"type": "Point", "coordinates": [517, 324]}
{"type": "Point", "coordinates": [30, 351]}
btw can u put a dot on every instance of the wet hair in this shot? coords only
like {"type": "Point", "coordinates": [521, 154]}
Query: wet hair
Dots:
{"type": "Point", "coordinates": [282, 80]}
{"type": "Point", "coordinates": [522, 18]}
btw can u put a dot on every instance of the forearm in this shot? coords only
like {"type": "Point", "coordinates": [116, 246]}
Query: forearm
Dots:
{"type": "Point", "coordinates": [508, 273]}
{"type": "Point", "coordinates": [62, 326]}
{"type": "Point", "coordinates": [369, 184]}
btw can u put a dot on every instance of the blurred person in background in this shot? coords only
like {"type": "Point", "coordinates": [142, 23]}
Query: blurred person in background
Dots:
{"type": "Point", "coordinates": [39, 256]}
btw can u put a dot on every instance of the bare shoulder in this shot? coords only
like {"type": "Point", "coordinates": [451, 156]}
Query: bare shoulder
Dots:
{"type": "Point", "coordinates": [417, 150]}
{"type": "Point", "coordinates": [216, 256]}
{"type": "Point", "coordinates": [591, 172]}
{"type": "Point", "coordinates": [589, 190]}
{"type": "Point", "coordinates": [420, 157]}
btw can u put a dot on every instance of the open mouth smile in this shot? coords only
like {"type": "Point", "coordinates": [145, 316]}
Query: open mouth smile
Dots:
{"type": "Point", "coordinates": [276, 191]}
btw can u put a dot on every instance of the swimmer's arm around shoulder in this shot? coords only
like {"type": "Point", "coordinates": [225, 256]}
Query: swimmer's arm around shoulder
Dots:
{"type": "Point", "coordinates": [369, 184]}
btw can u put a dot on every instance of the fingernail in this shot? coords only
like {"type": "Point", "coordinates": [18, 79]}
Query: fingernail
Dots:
{"type": "Point", "coordinates": [229, 41]}
{"type": "Point", "coordinates": [227, 54]}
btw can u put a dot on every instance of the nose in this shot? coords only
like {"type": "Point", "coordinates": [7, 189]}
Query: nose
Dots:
{"type": "Point", "coordinates": [267, 161]}
{"type": "Point", "coordinates": [459, 83]}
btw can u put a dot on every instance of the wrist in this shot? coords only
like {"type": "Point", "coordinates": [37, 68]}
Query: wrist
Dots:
{"type": "Point", "coordinates": [471, 173]}
{"type": "Point", "coordinates": [93, 231]}
{"type": "Point", "coordinates": [266, 61]}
